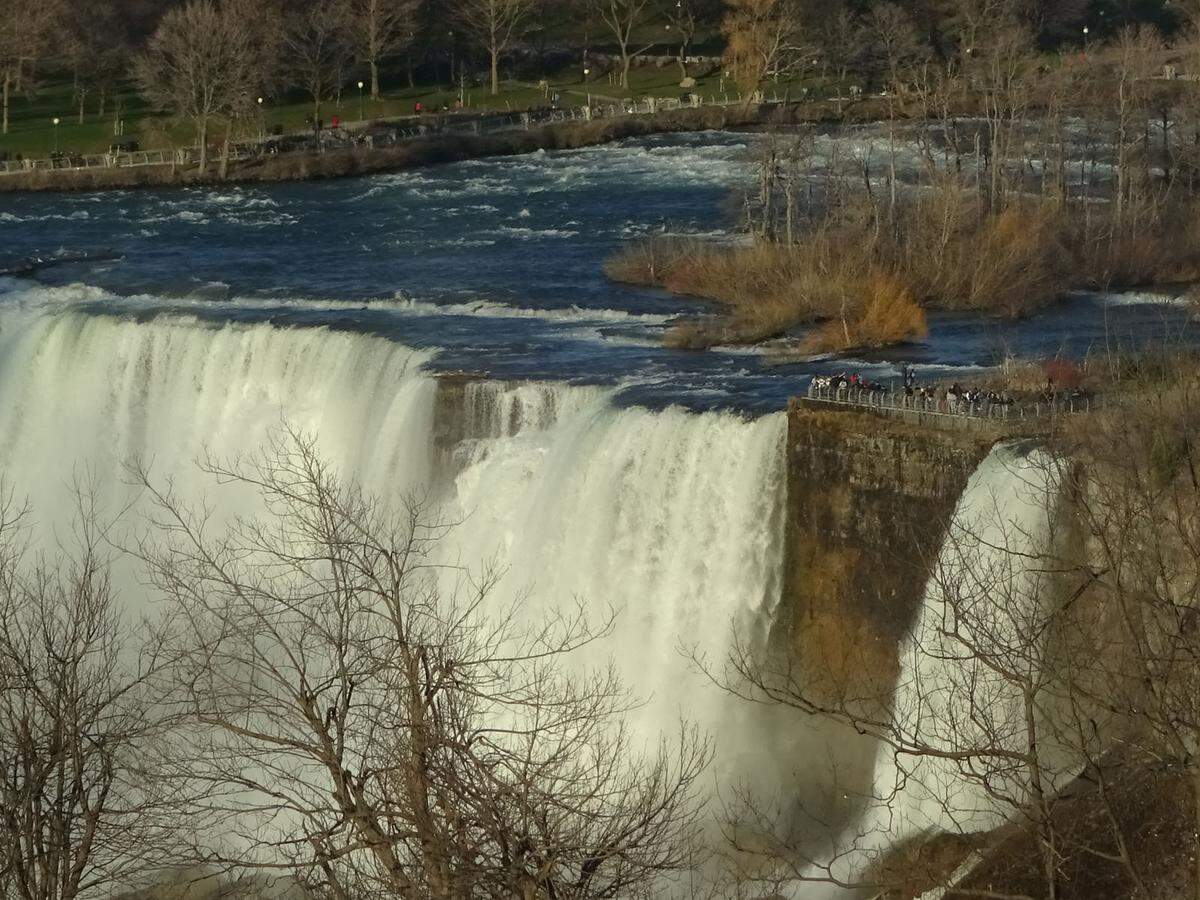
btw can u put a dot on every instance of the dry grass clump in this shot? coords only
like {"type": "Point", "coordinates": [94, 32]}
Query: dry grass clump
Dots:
{"type": "Point", "coordinates": [649, 262]}
{"type": "Point", "coordinates": [890, 316]}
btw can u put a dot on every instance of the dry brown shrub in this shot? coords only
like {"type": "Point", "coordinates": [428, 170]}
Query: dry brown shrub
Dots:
{"type": "Point", "coordinates": [957, 256]}
{"type": "Point", "coordinates": [1063, 373]}
{"type": "Point", "coordinates": [890, 315]}
{"type": "Point", "coordinates": [649, 262]}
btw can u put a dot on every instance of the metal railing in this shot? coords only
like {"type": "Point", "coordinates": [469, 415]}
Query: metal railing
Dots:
{"type": "Point", "coordinates": [369, 134]}
{"type": "Point", "coordinates": [944, 407]}
{"type": "Point", "coordinates": [116, 160]}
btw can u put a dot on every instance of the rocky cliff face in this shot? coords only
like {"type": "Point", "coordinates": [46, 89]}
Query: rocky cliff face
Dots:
{"type": "Point", "coordinates": [869, 502]}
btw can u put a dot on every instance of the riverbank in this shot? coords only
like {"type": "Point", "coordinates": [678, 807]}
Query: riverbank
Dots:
{"type": "Point", "coordinates": [434, 149]}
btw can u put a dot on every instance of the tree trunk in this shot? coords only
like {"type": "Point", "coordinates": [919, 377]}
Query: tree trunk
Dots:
{"type": "Point", "coordinates": [7, 86]}
{"type": "Point", "coordinates": [683, 72]}
{"type": "Point", "coordinates": [202, 133]}
{"type": "Point", "coordinates": [495, 53]}
{"type": "Point", "coordinates": [103, 102]}
{"type": "Point", "coordinates": [374, 80]}
{"type": "Point", "coordinates": [1045, 825]}
{"type": "Point", "coordinates": [1196, 837]}
{"type": "Point", "coordinates": [626, 62]}
{"type": "Point", "coordinates": [225, 151]}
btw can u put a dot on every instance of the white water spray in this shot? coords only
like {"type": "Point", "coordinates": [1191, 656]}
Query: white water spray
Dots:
{"type": "Point", "coordinates": [671, 518]}
{"type": "Point", "coordinates": [984, 601]}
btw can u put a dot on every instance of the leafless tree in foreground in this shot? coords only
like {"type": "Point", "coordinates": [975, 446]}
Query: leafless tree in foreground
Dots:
{"type": "Point", "coordinates": [980, 731]}
{"type": "Point", "coordinates": [1138, 504]}
{"type": "Point", "coordinates": [364, 728]}
{"type": "Point", "coordinates": [81, 813]}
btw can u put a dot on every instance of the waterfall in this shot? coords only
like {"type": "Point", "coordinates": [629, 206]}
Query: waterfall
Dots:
{"type": "Point", "coordinates": [985, 599]}
{"type": "Point", "coordinates": [673, 519]}
{"type": "Point", "coordinates": [93, 391]}
{"type": "Point", "coordinates": [986, 595]}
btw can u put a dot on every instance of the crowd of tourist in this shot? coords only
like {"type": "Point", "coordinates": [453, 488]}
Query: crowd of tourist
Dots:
{"type": "Point", "coordinates": [954, 399]}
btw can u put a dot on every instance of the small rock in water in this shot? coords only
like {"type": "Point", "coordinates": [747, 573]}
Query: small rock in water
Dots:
{"type": "Point", "coordinates": [523, 214]}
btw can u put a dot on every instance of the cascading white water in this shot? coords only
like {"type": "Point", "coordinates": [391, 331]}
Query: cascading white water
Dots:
{"type": "Point", "coordinates": [978, 638]}
{"type": "Point", "coordinates": [985, 599]}
{"type": "Point", "coordinates": [672, 518]}
{"type": "Point", "coordinates": [79, 391]}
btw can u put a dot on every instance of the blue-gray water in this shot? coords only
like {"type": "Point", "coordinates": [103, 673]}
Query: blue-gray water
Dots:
{"type": "Point", "coordinates": [498, 265]}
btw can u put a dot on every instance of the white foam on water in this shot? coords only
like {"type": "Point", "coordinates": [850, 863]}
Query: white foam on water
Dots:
{"type": "Point", "coordinates": [672, 518]}
{"type": "Point", "coordinates": [1144, 298]}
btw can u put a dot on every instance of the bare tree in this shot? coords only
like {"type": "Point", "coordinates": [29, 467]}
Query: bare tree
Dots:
{"type": "Point", "coordinates": [969, 740]}
{"type": "Point", "coordinates": [844, 40]}
{"type": "Point", "coordinates": [81, 810]}
{"type": "Point", "coordinates": [494, 25]}
{"type": "Point", "coordinates": [316, 48]}
{"type": "Point", "coordinates": [1136, 499]}
{"type": "Point", "coordinates": [26, 29]}
{"type": "Point", "coordinates": [383, 732]}
{"type": "Point", "coordinates": [685, 17]}
{"type": "Point", "coordinates": [1134, 60]}
{"type": "Point", "coordinates": [625, 19]}
{"type": "Point", "coordinates": [763, 38]}
{"type": "Point", "coordinates": [96, 44]}
{"type": "Point", "coordinates": [380, 29]}
{"type": "Point", "coordinates": [896, 40]}
{"type": "Point", "coordinates": [197, 65]}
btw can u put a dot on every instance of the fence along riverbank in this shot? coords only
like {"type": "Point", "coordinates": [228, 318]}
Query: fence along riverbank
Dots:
{"type": "Point", "coordinates": [377, 146]}
{"type": "Point", "coordinates": [369, 133]}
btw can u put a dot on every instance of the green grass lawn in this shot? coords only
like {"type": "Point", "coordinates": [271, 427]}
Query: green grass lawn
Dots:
{"type": "Point", "coordinates": [33, 134]}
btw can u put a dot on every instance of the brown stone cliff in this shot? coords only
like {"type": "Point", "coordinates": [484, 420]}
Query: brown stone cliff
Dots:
{"type": "Point", "coordinates": [869, 502]}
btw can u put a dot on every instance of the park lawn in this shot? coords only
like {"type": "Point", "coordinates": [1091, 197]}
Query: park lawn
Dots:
{"type": "Point", "coordinates": [33, 134]}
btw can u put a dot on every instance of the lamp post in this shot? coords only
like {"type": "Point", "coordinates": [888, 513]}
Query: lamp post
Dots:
{"type": "Point", "coordinates": [56, 121]}
{"type": "Point", "coordinates": [360, 101]}
{"type": "Point", "coordinates": [262, 122]}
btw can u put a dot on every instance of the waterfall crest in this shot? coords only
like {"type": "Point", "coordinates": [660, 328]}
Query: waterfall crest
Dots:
{"type": "Point", "coordinates": [672, 518]}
